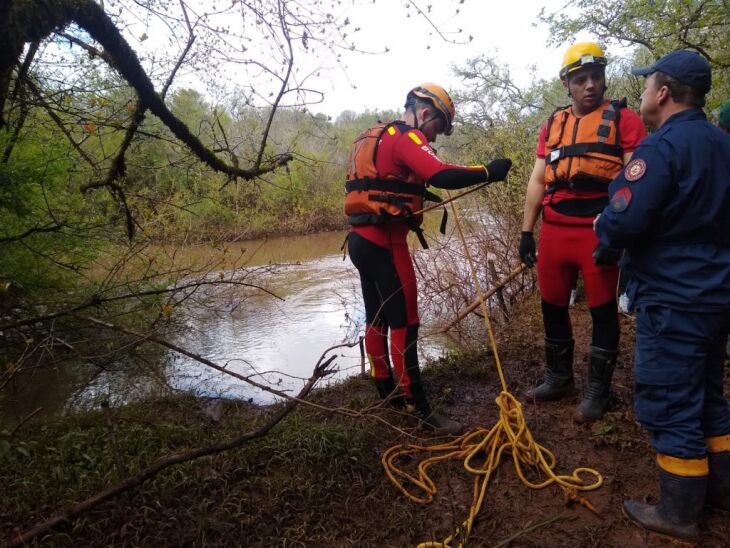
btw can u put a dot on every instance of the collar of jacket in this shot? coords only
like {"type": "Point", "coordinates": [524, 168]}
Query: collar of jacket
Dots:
{"type": "Point", "coordinates": [685, 116]}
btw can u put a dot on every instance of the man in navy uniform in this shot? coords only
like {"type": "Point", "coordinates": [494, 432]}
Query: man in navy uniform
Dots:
{"type": "Point", "coordinates": [670, 209]}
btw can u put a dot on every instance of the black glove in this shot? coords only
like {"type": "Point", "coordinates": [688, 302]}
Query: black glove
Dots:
{"type": "Point", "coordinates": [527, 249]}
{"type": "Point", "coordinates": [497, 169]}
{"type": "Point", "coordinates": [606, 256]}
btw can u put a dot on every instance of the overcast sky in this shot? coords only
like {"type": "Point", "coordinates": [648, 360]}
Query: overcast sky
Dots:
{"type": "Point", "coordinates": [504, 30]}
{"type": "Point", "coordinates": [507, 31]}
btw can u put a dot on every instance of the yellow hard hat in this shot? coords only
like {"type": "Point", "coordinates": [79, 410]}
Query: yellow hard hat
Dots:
{"type": "Point", "coordinates": [581, 54]}
{"type": "Point", "coordinates": [440, 99]}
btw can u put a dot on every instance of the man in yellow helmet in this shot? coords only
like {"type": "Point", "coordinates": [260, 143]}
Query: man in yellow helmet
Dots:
{"type": "Point", "coordinates": [581, 148]}
{"type": "Point", "coordinates": [388, 170]}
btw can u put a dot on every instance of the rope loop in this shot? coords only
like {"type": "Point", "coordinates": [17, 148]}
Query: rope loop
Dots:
{"type": "Point", "coordinates": [481, 450]}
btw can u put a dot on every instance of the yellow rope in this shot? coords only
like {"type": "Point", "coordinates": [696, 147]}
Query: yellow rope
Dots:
{"type": "Point", "coordinates": [510, 435]}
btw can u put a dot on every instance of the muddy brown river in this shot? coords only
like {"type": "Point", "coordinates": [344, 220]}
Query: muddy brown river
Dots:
{"type": "Point", "coordinates": [275, 337]}
{"type": "Point", "coordinates": [278, 342]}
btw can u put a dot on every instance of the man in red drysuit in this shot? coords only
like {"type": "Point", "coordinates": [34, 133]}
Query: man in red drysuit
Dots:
{"type": "Point", "coordinates": [581, 148]}
{"type": "Point", "coordinates": [389, 167]}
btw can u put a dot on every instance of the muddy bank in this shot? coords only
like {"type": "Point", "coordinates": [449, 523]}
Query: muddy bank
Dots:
{"type": "Point", "coordinates": [317, 480]}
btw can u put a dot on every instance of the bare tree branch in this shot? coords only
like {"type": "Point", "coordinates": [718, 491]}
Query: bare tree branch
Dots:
{"type": "Point", "coordinates": [27, 23]}
{"type": "Point", "coordinates": [23, 537]}
{"type": "Point", "coordinates": [39, 96]}
{"type": "Point", "coordinates": [55, 227]}
{"type": "Point", "coordinates": [284, 82]}
{"type": "Point", "coordinates": [98, 300]}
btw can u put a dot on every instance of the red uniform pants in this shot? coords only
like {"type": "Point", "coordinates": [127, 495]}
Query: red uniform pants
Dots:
{"type": "Point", "coordinates": [564, 250]}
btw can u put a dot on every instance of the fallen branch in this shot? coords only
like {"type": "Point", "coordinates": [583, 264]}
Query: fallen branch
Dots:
{"type": "Point", "coordinates": [529, 529]}
{"type": "Point", "coordinates": [22, 537]}
{"type": "Point", "coordinates": [321, 370]}
{"type": "Point", "coordinates": [366, 413]}
{"type": "Point", "coordinates": [471, 307]}
{"type": "Point", "coordinates": [185, 352]}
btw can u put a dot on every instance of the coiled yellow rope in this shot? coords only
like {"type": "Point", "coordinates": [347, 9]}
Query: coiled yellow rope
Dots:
{"type": "Point", "coordinates": [510, 435]}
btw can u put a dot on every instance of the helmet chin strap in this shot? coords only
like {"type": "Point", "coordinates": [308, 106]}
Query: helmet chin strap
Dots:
{"type": "Point", "coordinates": [415, 116]}
{"type": "Point", "coordinates": [434, 117]}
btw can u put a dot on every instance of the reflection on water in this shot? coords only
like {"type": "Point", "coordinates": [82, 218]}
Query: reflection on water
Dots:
{"type": "Point", "coordinates": [279, 342]}
{"type": "Point", "coordinates": [276, 342]}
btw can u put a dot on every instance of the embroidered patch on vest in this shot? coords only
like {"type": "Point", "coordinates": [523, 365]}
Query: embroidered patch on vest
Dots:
{"type": "Point", "coordinates": [621, 200]}
{"type": "Point", "coordinates": [635, 170]}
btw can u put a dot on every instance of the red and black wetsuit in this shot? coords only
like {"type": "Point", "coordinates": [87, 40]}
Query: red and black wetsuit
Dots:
{"type": "Point", "coordinates": [380, 253]}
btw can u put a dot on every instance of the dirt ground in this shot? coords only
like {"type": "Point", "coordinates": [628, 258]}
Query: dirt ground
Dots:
{"type": "Point", "coordinates": [317, 480]}
{"type": "Point", "coordinates": [616, 446]}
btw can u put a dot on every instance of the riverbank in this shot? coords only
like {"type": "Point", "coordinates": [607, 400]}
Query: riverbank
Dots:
{"type": "Point", "coordinates": [300, 225]}
{"type": "Point", "coordinates": [316, 478]}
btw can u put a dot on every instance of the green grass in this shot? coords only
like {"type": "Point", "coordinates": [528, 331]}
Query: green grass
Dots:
{"type": "Point", "coordinates": [279, 490]}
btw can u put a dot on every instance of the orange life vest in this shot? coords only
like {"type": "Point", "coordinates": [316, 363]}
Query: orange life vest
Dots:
{"type": "Point", "coordinates": [372, 198]}
{"type": "Point", "coordinates": [583, 152]}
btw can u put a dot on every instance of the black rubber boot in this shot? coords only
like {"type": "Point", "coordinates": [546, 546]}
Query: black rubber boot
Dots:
{"type": "Point", "coordinates": [678, 510]}
{"type": "Point", "coordinates": [718, 486]}
{"type": "Point", "coordinates": [597, 394]}
{"type": "Point", "coordinates": [387, 391]}
{"type": "Point", "coordinates": [559, 374]}
{"type": "Point", "coordinates": [439, 424]}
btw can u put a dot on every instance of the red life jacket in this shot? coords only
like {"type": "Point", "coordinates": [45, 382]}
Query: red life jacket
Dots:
{"type": "Point", "coordinates": [371, 197]}
{"type": "Point", "coordinates": [583, 152]}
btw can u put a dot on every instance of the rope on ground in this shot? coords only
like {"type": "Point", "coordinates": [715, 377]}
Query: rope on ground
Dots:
{"type": "Point", "coordinates": [481, 450]}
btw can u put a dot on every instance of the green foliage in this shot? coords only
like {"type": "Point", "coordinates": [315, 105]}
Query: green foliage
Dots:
{"type": "Point", "coordinates": [658, 27]}
{"type": "Point", "coordinates": [305, 462]}
{"type": "Point", "coordinates": [38, 198]}
{"type": "Point", "coordinates": [178, 198]}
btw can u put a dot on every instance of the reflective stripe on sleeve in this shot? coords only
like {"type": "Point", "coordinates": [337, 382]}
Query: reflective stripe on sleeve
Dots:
{"type": "Point", "coordinates": [415, 138]}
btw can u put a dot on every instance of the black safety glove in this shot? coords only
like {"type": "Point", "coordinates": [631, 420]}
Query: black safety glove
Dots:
{"type": "Point", "coordinates": [497, 169]}
{"type": "Point", "coordinates": [606, 256]}
{"type": "Point", "coordinates": [527, 248]}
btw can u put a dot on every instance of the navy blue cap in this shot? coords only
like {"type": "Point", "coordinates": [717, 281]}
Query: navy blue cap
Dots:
{"type": "Point", "coordinates": [687, 66]}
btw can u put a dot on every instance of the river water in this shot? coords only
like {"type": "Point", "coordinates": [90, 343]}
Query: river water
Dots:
{"type": "Point", "coordinates": [311, 302]}
{"type": "Point", "coordinates": [278, 342]}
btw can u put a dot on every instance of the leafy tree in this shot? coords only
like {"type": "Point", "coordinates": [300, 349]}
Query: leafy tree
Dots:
{"type": "Point", "coordinates": [658, 26]}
